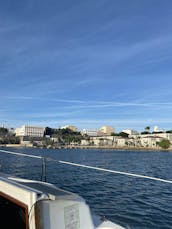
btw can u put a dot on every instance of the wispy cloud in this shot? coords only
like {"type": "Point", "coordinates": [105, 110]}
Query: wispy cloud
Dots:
{"type": "Point", "coordinates": [91, 104]}
{"type": "Point", "coordinates": [39, 98]}
{"type": "Point", "coordinates": [64, 63]}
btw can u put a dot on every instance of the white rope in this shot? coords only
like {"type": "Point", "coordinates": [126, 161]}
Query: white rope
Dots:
{"type": "Point", "coordinates": [21, 154]}
{"type": "Point", "coordinates": [89, 167]}
{"type": "Point", "coordinates": [117, 172]}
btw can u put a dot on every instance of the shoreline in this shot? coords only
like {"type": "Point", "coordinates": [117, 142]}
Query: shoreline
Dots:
{"type": "Point", "coordinates": [118, 148]}
{"type": "Point", "coordinates": [90, 147]}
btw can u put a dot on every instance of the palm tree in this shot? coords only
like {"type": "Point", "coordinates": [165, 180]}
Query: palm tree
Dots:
{"type": "Point", "coordinates": [147, 128]}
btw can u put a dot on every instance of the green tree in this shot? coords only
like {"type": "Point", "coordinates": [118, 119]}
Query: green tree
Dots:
{"type": "Point", "coordinates": [123, 134]}
{"type": "Point", "coordinates": [145, 132]}
{"type": "Point", "coordinates": [114, 134]}
{"type": "Point", "coordinates": [147, 128]}
{"type": "Point", "coordinates": [3, 131]}
{"type": "Point", "coordinates": [66, 136]}
{"type": "Point", "coordinates": [48, 131]}
{"type": "Point", "coordinates": [164, 143]}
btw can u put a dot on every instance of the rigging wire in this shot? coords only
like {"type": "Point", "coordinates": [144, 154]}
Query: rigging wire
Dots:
{"type": "Point", "coordinates": [85, 166]}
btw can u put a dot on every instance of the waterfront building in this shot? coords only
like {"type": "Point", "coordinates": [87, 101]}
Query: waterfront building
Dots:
{"type": "Point", "coordinates": [161, 135]}
{"type": "Point", "coordinates": [101, 141]}
{"type": "Point", "coordinates": [85, 142]}
{"type": "Point", "coordinates": [107, 130]}
{"type": "Point", "coordinates": [121, 142]}
{"type": "Point", "coordinates": [164, 135]}
{"type": "Point", "coordinates": [150, 141]}
{"type": "Point", "coordinates": [30, 131]}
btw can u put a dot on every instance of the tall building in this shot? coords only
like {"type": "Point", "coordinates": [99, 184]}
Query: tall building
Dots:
{"type": "Point", "coordinates": [30, 131]}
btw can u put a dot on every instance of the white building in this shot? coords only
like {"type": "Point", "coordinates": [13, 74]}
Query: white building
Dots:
{"type": "Point", "coordinates": [121, 142]}
{"type": "Point", "coordinates": [150, 141]}
{"type": "Point", "coordinates": [92, 132]}
{"type": "Point", "coordinates": [103, 141]}
{"type": "Point", "coordinates": [107, 130]}
{"type": "Point", "coordinates": [161, 135]}
{"type": "Point", "coordinates": [130, 132]}
{"type": "Point", "coordinates": [31, 131]}
{"type": "Point", "coordinates": [157, 129]}
{"type": "Point", "coordinates": [164, 135]}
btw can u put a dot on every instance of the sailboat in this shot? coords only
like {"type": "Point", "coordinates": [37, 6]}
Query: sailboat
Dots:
{"type": "Point", "coordinates": [31, 204]}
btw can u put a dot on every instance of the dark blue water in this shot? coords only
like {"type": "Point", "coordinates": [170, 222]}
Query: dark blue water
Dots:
{"type": "Point", "coordinates": [132, 202]}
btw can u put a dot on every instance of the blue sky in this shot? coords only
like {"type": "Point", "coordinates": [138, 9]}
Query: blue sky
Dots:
{"type": "Point", "coordinates": [86, 63]}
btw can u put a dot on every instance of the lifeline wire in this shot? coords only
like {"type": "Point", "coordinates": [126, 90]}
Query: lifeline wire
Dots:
{"type": "Point", "coordinates": [89, 167]}
{"type": "Point", "coordinates": [20, 154]}
{"type": "Point", "coordinates": [117, 172]}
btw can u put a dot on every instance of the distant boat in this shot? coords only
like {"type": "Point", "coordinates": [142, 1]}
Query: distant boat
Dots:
{"type": "Point", "coordinates": [30, 204]}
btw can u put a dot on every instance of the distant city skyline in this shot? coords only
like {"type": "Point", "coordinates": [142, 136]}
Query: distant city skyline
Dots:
{"type": "Point", "coordinates": [86, 63]}
{"type": "Point", "coordinates": [99, 129]}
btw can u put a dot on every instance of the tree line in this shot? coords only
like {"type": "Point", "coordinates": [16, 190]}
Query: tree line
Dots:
{"type": "Point", "coordinates": [6, 137]}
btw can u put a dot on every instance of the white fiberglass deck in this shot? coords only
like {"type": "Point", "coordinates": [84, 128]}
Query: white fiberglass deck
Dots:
{"type": "Point", "coordinates": [44, 206]}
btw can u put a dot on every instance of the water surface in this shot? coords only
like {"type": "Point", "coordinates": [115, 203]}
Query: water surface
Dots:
{"type": "Point", "coordinates": [132, 202]}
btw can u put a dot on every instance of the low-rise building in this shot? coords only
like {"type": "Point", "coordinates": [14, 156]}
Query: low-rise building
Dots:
{"type": "Point", "coordinates": [102, 141]}
{"type": "Point", "coordinates": [130, 132]}
{"type": "Point", "coordinates": [121, 142]}
{"type": "Point", "coordinates": [161, 135]}
{"type": "Point", "coordinates": [85, 142]}
{"type": "Point", "coordinates": [150, 141]}
{"type": "Point", "coordinates": [91, 132]}
{"type": "Point", "coordinates": [164, 135]}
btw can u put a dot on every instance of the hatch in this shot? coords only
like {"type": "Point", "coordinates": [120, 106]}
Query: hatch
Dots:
{"type": "Point", "coordinates": [14, 214]}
